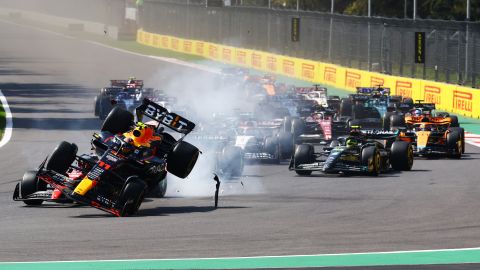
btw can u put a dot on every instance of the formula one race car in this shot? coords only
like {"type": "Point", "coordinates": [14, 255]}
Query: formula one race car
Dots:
{"type": "Point", "coordinates": [430, 138]}
{"type": "Point", "coordinates": [228, 159]}
{"type": "Point", "coordinates": [130, 160]}
{"type": "Point", "coordinates": [360, 153]}
{"type": "Point", "coordinates": [264, 141]}
{"type": "Point", "coordinates": [126, 94]}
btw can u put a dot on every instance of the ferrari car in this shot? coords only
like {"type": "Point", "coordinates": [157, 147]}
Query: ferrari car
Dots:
{"type": "Point", "coordinates": [130, 160]}
{"type": "Point", "coordinates": [360, 153]}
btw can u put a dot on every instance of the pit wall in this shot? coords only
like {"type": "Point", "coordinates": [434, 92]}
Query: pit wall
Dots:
{"type": "Point", "coordinates": [453, 98]}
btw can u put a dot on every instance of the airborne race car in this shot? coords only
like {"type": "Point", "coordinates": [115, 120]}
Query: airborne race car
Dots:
{"type": "Point", "coordinates": [361, 153]}
{"type": "Point", "coordinates": [129, 161]}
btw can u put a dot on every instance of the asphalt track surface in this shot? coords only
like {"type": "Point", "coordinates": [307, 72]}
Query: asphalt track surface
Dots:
{"type": "Point", "coordinates": [50, 82]}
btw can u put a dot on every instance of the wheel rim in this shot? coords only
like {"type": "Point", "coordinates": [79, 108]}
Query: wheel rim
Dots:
{"type": "Point", "coordinates": [410, 157]}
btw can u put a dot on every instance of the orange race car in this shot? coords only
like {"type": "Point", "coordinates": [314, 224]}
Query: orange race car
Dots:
{"type": "Point", "coordinates": [434, 135]}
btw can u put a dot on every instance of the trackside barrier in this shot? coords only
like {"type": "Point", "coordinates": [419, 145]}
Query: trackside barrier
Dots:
{"type": "Point", "coordinates": [453, 98]}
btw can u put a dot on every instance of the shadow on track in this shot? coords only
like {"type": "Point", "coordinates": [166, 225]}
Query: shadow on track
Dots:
{"type": "Point", "coordinates": [57, 123]}
{"type": "Point", "coordinates": [165, 211]}
{"type": "Point", "coordinates": [45, 90]}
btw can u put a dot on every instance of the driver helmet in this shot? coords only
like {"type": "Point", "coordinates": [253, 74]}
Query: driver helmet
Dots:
{"type": "Point", "coordinates": [142, 134]}
{"type": "Point", "coordinates": [351, 142]}
{"type": "Point", "coordinates": [417, 112]}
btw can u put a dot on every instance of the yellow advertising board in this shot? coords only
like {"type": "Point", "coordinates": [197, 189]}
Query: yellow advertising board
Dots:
{"type": "Point", "coordinates": [463, 100]}
{"type": "Point", "coordinates": [453, 98]}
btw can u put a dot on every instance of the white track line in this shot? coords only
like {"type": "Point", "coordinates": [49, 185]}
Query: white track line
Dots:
{"type": "Point", "coordinates": [260, 257]}
{"type": "Point", "coordinates": [8, 117]}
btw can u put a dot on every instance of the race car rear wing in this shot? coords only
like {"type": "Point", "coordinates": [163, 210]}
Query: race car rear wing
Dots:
{"type": "Point", "coordinates": [124, 83]}
{"type": "Point", "coordinates": [161, 115]}
{"type": "Point", "coordinates": [374, 90]}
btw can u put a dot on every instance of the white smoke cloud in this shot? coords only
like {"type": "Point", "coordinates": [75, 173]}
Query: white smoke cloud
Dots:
{"type": "Point", "coordinates": [201, 95]}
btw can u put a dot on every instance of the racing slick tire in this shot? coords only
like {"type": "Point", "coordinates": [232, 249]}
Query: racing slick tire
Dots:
{"type": "Point", "coordinates": [96, 109]}
{"type": "Point", "coordinates": [408, 101]}
{"type": "Point", "coordinates": [386, 120]}
{"type": "Point", "coordinates": [454, 121]}
{"type": "Point", "coordinates": [105, 106]}
{"type": "Point", "coordinates": [401, 156]}
{"type": "Point", "coordinates": [182, 159]}
{"type": "Point", "coordinates": [131, 196]}
{"type": "Point", "coordinates": [285, 141]}
{"type": "Point", "coordinates": [272, 147]}
{"type": "Point", "coordinates": [345, 107]}
{"type": "Point", "coordinates": [157, 187]}
{"type": "Point", "coordinates": [370, 157]}
{"type": "Point", "coordinates": [30, 184]}
{"type": "Point", "coordinates": [118, 121]}
{"type": "Point", "coordinates": [462, 135]}
{"type": "Point", "coordinates": [287, 124]}
{"type": "Point", "coordinates": [231, 161]}
{"type": "Point", "coordinates": [304, 154]}
{"type": "Point", "coordinates": [62, 157]}
{"type": "Point", "coordinates": [298, 127]}
{"type": "Point", "coordinates": [454, 143]}
{"type": "Point", "coordinates": [397, 121]}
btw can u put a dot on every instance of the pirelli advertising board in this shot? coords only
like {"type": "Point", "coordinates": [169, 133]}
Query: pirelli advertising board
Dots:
{"type": "Point", "coordinates": [458, 99]}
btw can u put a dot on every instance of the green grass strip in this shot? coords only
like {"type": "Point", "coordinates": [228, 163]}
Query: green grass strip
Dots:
{"type": "Point", "coordinates": [362, 259]}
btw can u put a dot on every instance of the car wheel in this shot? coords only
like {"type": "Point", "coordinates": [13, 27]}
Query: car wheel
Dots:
{"type": "Point", "coordinates": [30, 184]}
{"type": "Point", "coordinates": [370, 157]}
{"type": "Point", "coordinates": [182, 159]}
{"type": "Point", "coordinates": [118, 121]}
{"type": "Point", "coordinates": [454, 143]}
{"type": "Point", "coordinates": [304, 154]}
{"type": "Point", "coordinates": [401, 156]}
{"type": "Point", "coordinates": [131, 196]}
{"type": "Point", "coordinates": [62, 157]}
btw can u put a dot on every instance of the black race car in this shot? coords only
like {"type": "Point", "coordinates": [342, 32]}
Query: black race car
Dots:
{"type": "Point", "coordinates": [126, 94]}
{"type": "Point", "coordinates": [360, 153]}
{"type": "Point", "coordinates": [130, 160]}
